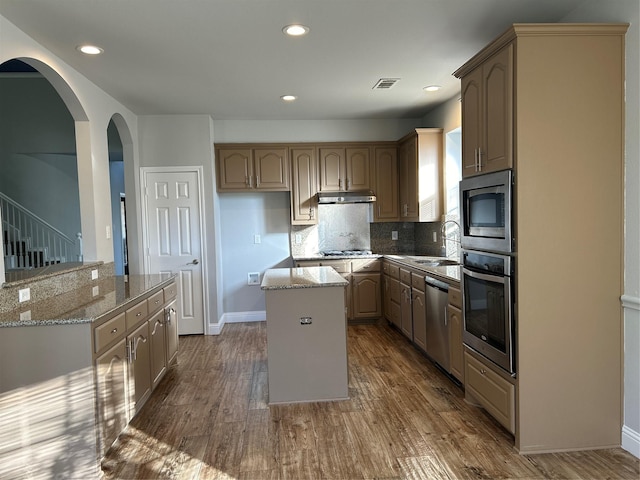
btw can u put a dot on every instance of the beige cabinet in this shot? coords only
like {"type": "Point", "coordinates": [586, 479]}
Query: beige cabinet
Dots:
{"type": "Point", "coordinates": [420, 181]}
{"type": "Point", "coordinates": [158, 347]}
{"type": "Point", "coordinates": [139, 346]}
{"type": "Point", "coordinates": [406, 312]}
{"type": "Point", "coordinates": [303, 186]}
{"type": "Point", "coordinates": [487, 115]}
{"type": "Point", "coordinates": [454, 318]}
{"type": "Point", "coordinates": [344, 168]}
{"type": "Point", "coordinates": [568, 398]}
{"type": "Point", "coordinates": [419, 316]}
{"type": "Point", "coordinates": [490, 387]}
{"type": "Point", "coordinates": [385, 160]}
{"type": "Point", "coordinates": [111, 392]}
{"type": "Point", "coordinates": [133, 348]}
{"type": "Point", "coordinates": [391, 293]}
{"type": "Point", "coordinates": [252, 167]}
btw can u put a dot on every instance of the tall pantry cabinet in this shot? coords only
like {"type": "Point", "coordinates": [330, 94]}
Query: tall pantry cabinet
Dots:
{"type": "Point", "coordinates": [562, 114]}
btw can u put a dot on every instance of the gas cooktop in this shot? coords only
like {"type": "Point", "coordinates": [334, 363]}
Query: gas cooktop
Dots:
{"type": "Point", "coordinates": [345, 253]}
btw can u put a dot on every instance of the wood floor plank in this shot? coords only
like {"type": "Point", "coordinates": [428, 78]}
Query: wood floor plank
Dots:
{"type": "Point", "coordinates": [209, 419]}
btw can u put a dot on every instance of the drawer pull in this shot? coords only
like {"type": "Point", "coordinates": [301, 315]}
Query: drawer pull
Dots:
{"type": "Point", "coordinates": [138, 314]}
{"type": "Point", "coordinates": [483, 371]}
{"type": "Point", "coordinates": [114, 331]}
{"type": "Point", "coordinates": [305, 321]}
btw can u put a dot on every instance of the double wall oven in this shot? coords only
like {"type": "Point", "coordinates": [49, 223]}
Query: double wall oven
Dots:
{"type": "Point", "coordinates": [488, 266]}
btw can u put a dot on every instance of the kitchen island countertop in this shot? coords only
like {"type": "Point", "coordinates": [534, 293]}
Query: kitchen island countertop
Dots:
{"type": "Point", "coordinates": [85, 304]}
{"type": "Point", "coordinates": [301, 277]}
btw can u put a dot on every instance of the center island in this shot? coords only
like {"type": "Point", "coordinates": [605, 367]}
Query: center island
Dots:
{"type": "Point", "coordinates": [306, 334]}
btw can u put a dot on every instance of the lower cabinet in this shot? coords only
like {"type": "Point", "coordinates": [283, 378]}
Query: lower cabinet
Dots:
{"type": "Point", "coordinates": [488, 386]}
{"type": "Point", "coordinates": [454, 318]}
{"type": "Point", "coordinates": [132, 350]}
{"type": "Point", "coordinates": [139, 345]}
{"type": "Point", "coordinates": [419, 316]}
{"type": "Point", "coordinates": [111, 388]}
{"type": "Point", "coordinates": [406, 312]}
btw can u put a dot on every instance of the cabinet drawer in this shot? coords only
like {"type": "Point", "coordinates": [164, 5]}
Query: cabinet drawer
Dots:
{"type": "Point", "coordinates": [394, 271]}
{"type": "Point", "coordinates": [365, 265]}
{"type": "Point", "coordinates": [417, 281]}
{"type": "Point", "coordinates": [136, 314]}
{"type": "Point", "coordinates": [340, 266]}
{"type": "Point", "coordinates": [155, 301]}
{"type": "Point", "coordinates": [109, 331]}
{"type": "Point", "coordinates": [495, 393]}
{"type": "Point", "coordinates": [394, 290]}
{"type": "Point", "coordinates": [455, 297]}
{"type": "Point", "coordinates": [170, 292]}
{"type": "Point", "coordinates": [385, 268]}
{"type": "Point", "coordinates": [405, 276]}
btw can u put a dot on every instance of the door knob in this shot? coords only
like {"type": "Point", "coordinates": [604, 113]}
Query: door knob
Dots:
{"type": "Point", "coordinates": [193, 262]}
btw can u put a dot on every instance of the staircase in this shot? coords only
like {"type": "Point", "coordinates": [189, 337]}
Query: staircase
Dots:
{"type": "Point", "coordinates": [30, 242]}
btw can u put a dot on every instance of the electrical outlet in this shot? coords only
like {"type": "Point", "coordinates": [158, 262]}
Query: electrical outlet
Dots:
{"type": "Point", "coordinates": [253, 278]}
{"type": "Point", "coordinates": [108, 232]}
{"type": "Point", "coordinates": [25, 316]}
{"type": "Point", "coordinates": [94, 274]}
{"type": "Point", "coordinates": [95, 291]}
{"type": "Point", "coordinates": [298, 239]}
{"type": "Point", "coordinates": [394, 235]}
{"type": "Point", "coordinates": [24, 294]}
{"type": "Point", "coordinates": [256, 239]}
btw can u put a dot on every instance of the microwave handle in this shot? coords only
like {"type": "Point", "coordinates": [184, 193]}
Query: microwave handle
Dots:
{"type": "Point", "coordinates": [483, 276]}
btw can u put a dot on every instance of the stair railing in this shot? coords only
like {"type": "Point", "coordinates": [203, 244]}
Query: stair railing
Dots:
{"type": "Point", "coordinates": [31, 242]}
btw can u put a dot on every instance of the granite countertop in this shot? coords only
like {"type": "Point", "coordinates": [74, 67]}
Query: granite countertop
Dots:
{"type": "Point", "coordinates": [84, 304]}
{"type": "Point", "coordinates": [448, 273]}
{"type": "Point", "coordinates": [319, 256]}
{"type": "Point", "coordinates": [302, 277]}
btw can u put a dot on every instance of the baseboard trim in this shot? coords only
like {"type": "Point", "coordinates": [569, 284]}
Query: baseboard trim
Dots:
{"type": "Point", "coordinates": [631, 302]}
{"type": "Point", "coordinates": [631, 441]}
{"type": "Point", "coordinates": [236, 317]}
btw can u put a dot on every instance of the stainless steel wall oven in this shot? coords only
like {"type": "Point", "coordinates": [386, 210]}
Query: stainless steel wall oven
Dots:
{"type": "Point", "coordinates": [487, 302]}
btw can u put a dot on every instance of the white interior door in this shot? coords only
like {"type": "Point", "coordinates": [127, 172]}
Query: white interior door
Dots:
{"type": "Point", "coordinates": [174, 240]}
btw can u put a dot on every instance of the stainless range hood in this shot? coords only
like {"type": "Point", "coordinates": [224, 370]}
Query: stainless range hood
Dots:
{"type": "Point", "coordinates": [365, 196]}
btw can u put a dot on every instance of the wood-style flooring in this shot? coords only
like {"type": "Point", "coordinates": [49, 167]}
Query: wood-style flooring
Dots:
{"type": "Point", "coordinates": [209, 419]}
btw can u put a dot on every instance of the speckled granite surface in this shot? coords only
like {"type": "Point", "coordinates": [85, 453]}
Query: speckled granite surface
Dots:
{"type": "Point", "coordinates": [306, 277]}
{"type": "Point", "coordinates": [83, 304]}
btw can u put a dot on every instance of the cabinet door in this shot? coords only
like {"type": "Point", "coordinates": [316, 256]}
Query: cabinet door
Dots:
{"type": "Point", "coordinates": [471, 91]}
{"type": "Point", "coordinates": [419, 311]}
{"type": "Point", "coordinates": [386, 172]}
{"type": "Point", "coordinates": [406, 315]}
{"type": "Point", "coordinates": [234, 169]}
{"type": "Point", "coordinates": [303, 187]}
{"type": "Point", "coordinates": [157, 335]}
{"type": "Point", "coordinates": [498, 108]}
{"type": "Point", "coordinates": [171, 324]}
{"type": "Point", "coordinates": [332, 167]}
{"type": "Point", "coordinates": [140, 366]}
{"type": "Point", "coordinates": [358, 175]}
{"type": "Point", "coordinates": [366, 299]}
{"type": "Point", "coordinates": [408, 159]}
{"type": "Point", "coordinates": [271, 169]}
{"type": "Point", "coordinates": [456, 349]}
{"type": "Point", "coordinates": [111, 392]}
{"type": "Point", "coordinates": [395, 310]}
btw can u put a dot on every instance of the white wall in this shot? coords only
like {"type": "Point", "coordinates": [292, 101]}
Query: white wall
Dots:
{"type": "Point", "coordinates": [92, 109]}
{"type": "Point", "coordinates": [187, 140]}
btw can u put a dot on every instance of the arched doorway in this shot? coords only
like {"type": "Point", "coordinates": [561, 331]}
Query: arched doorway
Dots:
{"type": "Point", "coordinates": [38, 161]}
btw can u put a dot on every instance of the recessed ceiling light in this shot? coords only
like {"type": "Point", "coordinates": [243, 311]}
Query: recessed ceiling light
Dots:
{"type": "Point", "coordinates": [432, 88]}
{"type": "Point", "coordinates": [296, 30]}
{"type": "Point", "coordinates": [288, 98]}
{"type": "Point", "coordinates": [90, 49]}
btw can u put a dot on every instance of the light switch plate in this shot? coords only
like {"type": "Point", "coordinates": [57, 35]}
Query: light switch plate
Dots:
{"type": "Point", "coordinates": [24, 294]}
{"type": "Point", "coordinates": [94, 274]}
{"type": "Point", "coordinates": [253, 278]}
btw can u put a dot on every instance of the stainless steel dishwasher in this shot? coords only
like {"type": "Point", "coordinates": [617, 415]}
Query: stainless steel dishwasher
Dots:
{"type": "Point", "coordinates": [437, 293]}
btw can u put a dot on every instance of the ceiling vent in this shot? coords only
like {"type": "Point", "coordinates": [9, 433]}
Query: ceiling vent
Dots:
{"type": "Point", "coordinates": [385, 83]}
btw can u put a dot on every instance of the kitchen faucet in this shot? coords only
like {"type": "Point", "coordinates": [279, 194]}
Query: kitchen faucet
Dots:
{"type": "Point", "coordinates": [444, 238]}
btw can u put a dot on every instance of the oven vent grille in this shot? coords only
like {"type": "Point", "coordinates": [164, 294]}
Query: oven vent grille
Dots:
{"type": "Point", "coordinates": [385, 83]}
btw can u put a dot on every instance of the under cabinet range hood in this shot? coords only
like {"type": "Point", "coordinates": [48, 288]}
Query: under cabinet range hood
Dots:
{"type": "Point", "coordinates": [365, 196]}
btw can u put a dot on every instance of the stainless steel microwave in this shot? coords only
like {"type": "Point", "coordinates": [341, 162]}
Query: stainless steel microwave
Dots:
{"type": "Point", "coordinates": [486, 208]}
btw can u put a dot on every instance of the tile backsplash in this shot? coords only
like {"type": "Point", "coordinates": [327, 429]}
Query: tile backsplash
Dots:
{"type": "Point", "coordinates": [413, 238]}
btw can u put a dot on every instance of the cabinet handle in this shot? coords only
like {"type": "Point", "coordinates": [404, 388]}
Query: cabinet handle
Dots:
{"type": "Point", "coordinates": [479, 159]}
{"type": "Point", "coordinates": [306, 320]}
{"type": "Point", "coordinates": [257, 181]}
{"type": "Point", "coordinates": [247, 181]}
{"type": "Point", "coordinates": [483, 371]}
{"type": "Point", "coordinates": [348, 184]}
{"type": "Point", "coordinates": [339, 183]}
{"type": "Point", "coordinates": [155, 326]}
{"type": "Point", "coordinates": [138, 314]}
{"type": "Point", "coordinates": [312, 212]}
{"type": "Point", "coordinates": [114, 331]}
{"type": "Point", "coordinates": [134, 346]}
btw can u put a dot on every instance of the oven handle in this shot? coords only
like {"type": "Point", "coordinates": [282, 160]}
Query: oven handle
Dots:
{"type": "Point", "coordinates": [483, 276]}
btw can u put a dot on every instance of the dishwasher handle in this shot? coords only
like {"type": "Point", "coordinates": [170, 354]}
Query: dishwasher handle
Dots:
{"type": "Point", "coordinates": [440, 285]}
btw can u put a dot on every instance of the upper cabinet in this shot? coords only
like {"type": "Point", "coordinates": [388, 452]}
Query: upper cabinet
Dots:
{"type": "Point", "coordinates": [303, 186]}
{"type": "Point", "coordinates": [246, 167]}
{"type": "Point", "coordinates": [487, 115]}
{"type": "Point", "coordinates": [385, 160]}
{"type": "Point", "coordinates": [344, 168]}
{"type": "Point", "coordinates": [420, 175]}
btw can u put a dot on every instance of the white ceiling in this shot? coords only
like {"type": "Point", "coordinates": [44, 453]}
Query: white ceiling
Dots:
{"type": "Point", "coordinates": [230, 59]}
